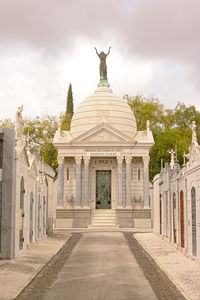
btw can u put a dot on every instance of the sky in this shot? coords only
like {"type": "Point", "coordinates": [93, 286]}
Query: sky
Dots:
{"type": "Point", "coordinates": [46, 45]}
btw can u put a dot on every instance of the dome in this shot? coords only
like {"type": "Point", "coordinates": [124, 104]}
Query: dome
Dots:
{"type": "Point", "coordinates": [103, 106]}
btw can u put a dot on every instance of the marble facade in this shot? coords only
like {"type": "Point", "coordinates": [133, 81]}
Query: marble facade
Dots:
{"type": "Point", "coordinates": [176, 201]}
{"type": "Point", "coordinates": [26, 193]}
{"type": "Point", "coordinates": [103, 136]}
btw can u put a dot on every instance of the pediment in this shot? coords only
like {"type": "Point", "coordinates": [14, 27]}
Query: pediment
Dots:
{"type": "Point", "coordinates": [194, 153]}
{"type": "Point", "coordinates": [33, 170]}
{"type": "Point", "coordinates": [22, 154]}
{"type": "Point", "coordinates": [103, 133]}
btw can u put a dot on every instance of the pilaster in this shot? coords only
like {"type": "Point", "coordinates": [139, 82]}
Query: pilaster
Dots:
{"type": "Point", "coordinates": [78, 160]}
{"type": "Point", "coordinates": [60, 199]}
{"type": "Point", "coordinates": [120, 182]}
{"type": "Point", "coordinates": [86, 181]}
{"type": "Point", "coordinates": [146, 180]}
{"type": "Point", "coordinates": [128, 181]}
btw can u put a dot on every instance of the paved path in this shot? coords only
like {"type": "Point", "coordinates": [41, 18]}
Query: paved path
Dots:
{"type": "Point", "coordinates": [182, 270]}
{"type": "Point", "coordinates": [17, 273]}
{"type": "Point", "coordinates": [101, 266]}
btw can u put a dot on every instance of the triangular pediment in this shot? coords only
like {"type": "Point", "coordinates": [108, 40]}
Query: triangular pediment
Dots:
{"type": "Point", "coordinates": [21, 153]}
{"type": "Point", "coordinates": [194, 153]}
{"type": "Point", "coordinates": [103, 133]}
{"type": "Point", "coordinates": [33, 170]}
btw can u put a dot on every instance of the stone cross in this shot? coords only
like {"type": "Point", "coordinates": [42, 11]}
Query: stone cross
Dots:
{"type": "Point", "coordinates": [172, 152]}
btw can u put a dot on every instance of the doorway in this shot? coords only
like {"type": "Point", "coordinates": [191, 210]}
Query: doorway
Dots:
{"type": "Point", "coordinates": [182, 218]}
{"type": "Point", "coordinates": [194, 222]}
{"type": "Point", "coordinates": [103, 189]}
{"type": "Point", "coordinates": [21, 230]}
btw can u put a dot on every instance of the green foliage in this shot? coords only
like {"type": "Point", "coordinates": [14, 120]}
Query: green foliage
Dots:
{"type": "Point", "coordinates": [66, 119]}
{"type": "Point", "coordinates": [170, 127]}
{"type": "Point", "coordinates": [40, 133]}
{"type": "Point", "coordinates": [70, 104]}
{"type": "Point", "coordinates": [146, 109]}
{"type": "Point", "coordinates": [7, 123]}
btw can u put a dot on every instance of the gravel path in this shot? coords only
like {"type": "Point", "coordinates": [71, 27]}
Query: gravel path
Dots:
{"type": "Point", "coordinates": [182, 270]}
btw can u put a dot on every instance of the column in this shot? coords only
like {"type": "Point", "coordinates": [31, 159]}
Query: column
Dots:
{"type": "Point", "coordinates": [146, 181]}
{"type": "Point", "coordinates": [86, 181]}
{"type": "Point", "coordinates": [128, 181]}
{"type": "Point", "coordinates": [60, 181]}
{"type": "Point", "coordinates": [78, 181]}
{"type": "Point", "coordinates": [120, 182]}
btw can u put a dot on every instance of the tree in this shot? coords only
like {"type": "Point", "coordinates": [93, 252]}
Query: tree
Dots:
{"type": "Point", "coordinates": [146, 109]}
{"type": "Point", "coordinates": [7, 123]}
{"type": "Point", "coordinates": [69, 110]}
{"type": "Point", "coordinates": [170, 127]}
{"type": "Point", "coordinates": [39, 134]}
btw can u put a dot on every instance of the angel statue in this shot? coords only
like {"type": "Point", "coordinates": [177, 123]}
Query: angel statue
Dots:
{"type": "Point", "coordinates": [19, 124]}
{"type": "Point", "coordinates": [102, 66]}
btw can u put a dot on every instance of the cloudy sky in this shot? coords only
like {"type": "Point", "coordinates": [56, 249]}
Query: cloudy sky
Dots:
{"type": "Point", "coordinates": [46, 44]}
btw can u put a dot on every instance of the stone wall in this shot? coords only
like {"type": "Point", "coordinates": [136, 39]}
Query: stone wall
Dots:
{"type": "Point", "coordinates": [26, 196]}
{"type": "Point", "coordinates": [176, 203]}
{"type": "Point", "coordinates": [7, 193]}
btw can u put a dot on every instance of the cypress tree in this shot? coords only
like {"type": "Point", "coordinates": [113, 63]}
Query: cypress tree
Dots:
{"type": "Point", "coordinates": [70, 104]}
{"type": "Point", "coordinates": [69, 110]}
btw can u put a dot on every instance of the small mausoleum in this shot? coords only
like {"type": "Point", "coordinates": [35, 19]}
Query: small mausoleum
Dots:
{"type": "Point", "coordinates": [103, 171]}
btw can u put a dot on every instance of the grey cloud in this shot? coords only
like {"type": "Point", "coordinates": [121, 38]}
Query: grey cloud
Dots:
{"type": "Point", "coordinates": [150, 28]}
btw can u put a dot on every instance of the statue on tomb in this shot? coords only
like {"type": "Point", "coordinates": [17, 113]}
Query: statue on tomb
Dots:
{"type": "Point", "coordinates": [172, 163]}
{"type": "Point", "coordinates": [194, 135]}
{"type": "Point", "coordinates": [19, 124]}
{"type": "Point", "coordinates": [102, 66]}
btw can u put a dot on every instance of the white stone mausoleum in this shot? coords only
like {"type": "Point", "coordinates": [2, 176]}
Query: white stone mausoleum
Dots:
{"type": "Point", "coordinates": [103, 173]}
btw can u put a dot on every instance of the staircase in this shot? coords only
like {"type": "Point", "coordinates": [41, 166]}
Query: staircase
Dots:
{"type": "Point", "coordinates": [103, 218]}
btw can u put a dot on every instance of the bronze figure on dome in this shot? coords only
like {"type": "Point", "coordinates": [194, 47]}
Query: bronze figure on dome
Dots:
{"type": "Point", "coordinates": [103, 66]}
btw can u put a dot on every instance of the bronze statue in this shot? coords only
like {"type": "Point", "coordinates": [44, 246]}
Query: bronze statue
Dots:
{"type": "Point", "coordinates": [102, 66]}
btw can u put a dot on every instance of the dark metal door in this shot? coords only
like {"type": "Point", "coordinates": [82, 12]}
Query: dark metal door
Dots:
{"type": "Point", "coordinates": [174, 216]}
{"type": "Point", "coordinates": [103, 189]}
{"type": "Point", "coordinates": [31, 219]}
{"type": "Point", "coordinates": [21, 220]}
{"type": "Point", "coordinates": [182, 218]}
{"type": "Point", "coordinates": [39, 208]}
{"type": "Point", "coordinates": [194, 225]}
{"type": "Point", "coordinates": [44, 216]}
{"type": "Point", "coordinates": [160, 214]}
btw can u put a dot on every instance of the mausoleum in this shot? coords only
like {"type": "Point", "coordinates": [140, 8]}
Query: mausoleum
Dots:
{"type": "Point", "coordinates": [103, 173]}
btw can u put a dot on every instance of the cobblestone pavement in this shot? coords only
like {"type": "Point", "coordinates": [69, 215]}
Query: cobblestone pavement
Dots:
{"type": "Point", "coordinates": [182, 270]}
{"type": "Point", "coordinates": [15, 274]}
{"type": "Point", "coordinates": [102, 265]}
{"type": "Point", "coordinates": [40, 284]}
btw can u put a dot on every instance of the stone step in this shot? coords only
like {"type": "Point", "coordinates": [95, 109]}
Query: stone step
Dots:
{"type": "Point", "coordinates": [103, 222]}
{"type": "Point", "coordinates": [106, 211]}
{"type": "Point", "coordinates": [104, 217]}
{"type": "Point", "coordinates": [103, 226]}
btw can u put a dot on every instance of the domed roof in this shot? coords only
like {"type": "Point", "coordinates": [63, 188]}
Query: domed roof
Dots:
{"type": "Point", "coordinates": [103, 106]}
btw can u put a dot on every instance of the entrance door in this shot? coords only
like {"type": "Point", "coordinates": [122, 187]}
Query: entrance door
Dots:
{"type": "Point", "coordinates": [103, 189]}
{"type": "Point", "coordinates": [44, 216]}
{"type": "Point", "coordinates": [31, 219]}
{"type": "Point", "coordinates": [21, 230]}
{"type": "Point", "coordinates": [194, 222]}
{"type": "Point", "coordinates": [39, 207]}
{"type": "Point", "coordinates": [182, 218]}
{"type": "Point", "coordinates": [160, 214]}
{"type": "Point", "coordinates": [174, 216]}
